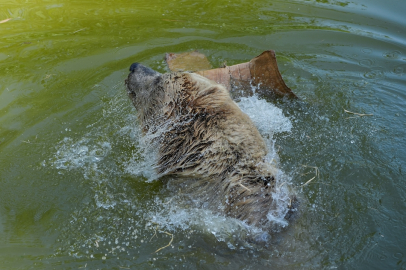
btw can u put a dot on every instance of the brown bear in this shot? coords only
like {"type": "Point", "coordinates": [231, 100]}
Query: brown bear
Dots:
{"type": "Point", "coordinates": [203, 135]}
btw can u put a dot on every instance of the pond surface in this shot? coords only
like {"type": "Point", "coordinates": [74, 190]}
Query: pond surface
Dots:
{"type": "Point", "coordinates": [76, 185]}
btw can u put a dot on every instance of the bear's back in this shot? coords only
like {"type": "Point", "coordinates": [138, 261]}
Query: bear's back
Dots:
{"type": "Point", "coordinates": [210, 134]}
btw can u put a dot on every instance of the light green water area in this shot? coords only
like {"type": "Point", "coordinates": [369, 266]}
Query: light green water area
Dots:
{"type": "Point", "coordinates": [77, 187]}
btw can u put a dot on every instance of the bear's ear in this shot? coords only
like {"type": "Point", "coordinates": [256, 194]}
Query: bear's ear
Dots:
{"type": "Point", "coordinates": [207, 93]}
{"type": "Point", "coordinates": [157, 81]}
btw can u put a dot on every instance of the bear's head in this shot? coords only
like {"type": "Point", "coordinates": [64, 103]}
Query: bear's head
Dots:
{"type": "Point", "coordinates": [158, 97]}
{"type": "Point", "coordinates": [146, 91]}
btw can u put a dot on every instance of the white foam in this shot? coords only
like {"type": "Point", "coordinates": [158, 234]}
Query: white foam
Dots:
{"type": "Point", "coordinates": [76, 154]}
{"type": "Point", "coordinates": [173, 216]}
{"type": "Point", "coordinates": [144, 163]}
{"type": "Point", "coordinates": [281, 200]}
{"type": "Point", "coordinates": [268, 118]}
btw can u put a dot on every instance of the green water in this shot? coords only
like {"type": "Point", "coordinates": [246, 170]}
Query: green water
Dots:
{"type": "Point", "coordinates": [71, 195]}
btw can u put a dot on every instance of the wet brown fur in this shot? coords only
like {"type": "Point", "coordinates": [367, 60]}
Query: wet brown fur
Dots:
{"type": "Point", "coordinates": [208, 138]}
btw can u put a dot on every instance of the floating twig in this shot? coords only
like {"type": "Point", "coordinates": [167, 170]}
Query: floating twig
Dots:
{"type": "Point", "coordinates": [79, 30]}
{"type": "Point", "coordinates": [6, 20]}
{"type": "Point", "coordinates": [169, 201]}
{"type": "Point", "coordinates": [154, 233]}
{"type": "Point", "coordinates": [170, 242]}
{"type": "Point", "coordinates": [308, 181]}
{"type": "Point", "coordinates": [317, 174]}
{"type": "Point", "coordinates": [358, 114]}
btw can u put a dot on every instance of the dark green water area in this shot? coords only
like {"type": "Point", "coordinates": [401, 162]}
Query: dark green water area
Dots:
{"type": "Point", "coordinates": [77, 188]}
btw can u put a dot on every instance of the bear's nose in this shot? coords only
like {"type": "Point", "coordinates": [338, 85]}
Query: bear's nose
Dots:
{"type": "Point", "coordinates": [142, 70]}
{"type": "Point", "coordinates": [134, 66]}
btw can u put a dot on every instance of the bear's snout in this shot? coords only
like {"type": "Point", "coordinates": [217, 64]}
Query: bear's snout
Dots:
{"type": "Point", "coordinates": [142, 70]}
{"type": "Point", "coordinates": [134, 66]}
{"type": "Point", "coordinates": [141, 78]}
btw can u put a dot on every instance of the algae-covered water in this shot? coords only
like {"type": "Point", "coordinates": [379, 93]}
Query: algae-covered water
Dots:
{"type": "Point", "coordinates": [77, 188]}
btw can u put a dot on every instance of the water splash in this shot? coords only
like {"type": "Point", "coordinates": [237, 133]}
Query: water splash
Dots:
{"type": "Point", "coordinates": [268, 118]}
{"type": "Point", "coordinates": [77, 154]}
{"type": "Point", "coordinates": [95, 155]}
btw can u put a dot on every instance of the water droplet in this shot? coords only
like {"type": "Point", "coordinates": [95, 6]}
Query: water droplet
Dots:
{"type": "Point", "coordinates": [398, 255]}
{"type": "Point", "coordinates": [366, 62]}
{"type": "Point", "coordinates": [360, 83]}
{"type": "Point", "coordinates": [374, 74]}
{"type": "Point", "coordinates": [399, 70]}
{"type": "Point", "coordinates": [391, 55]}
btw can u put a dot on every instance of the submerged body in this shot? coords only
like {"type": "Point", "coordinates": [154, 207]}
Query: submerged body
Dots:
{"type": "Point", "coordinates": [203, 134]}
